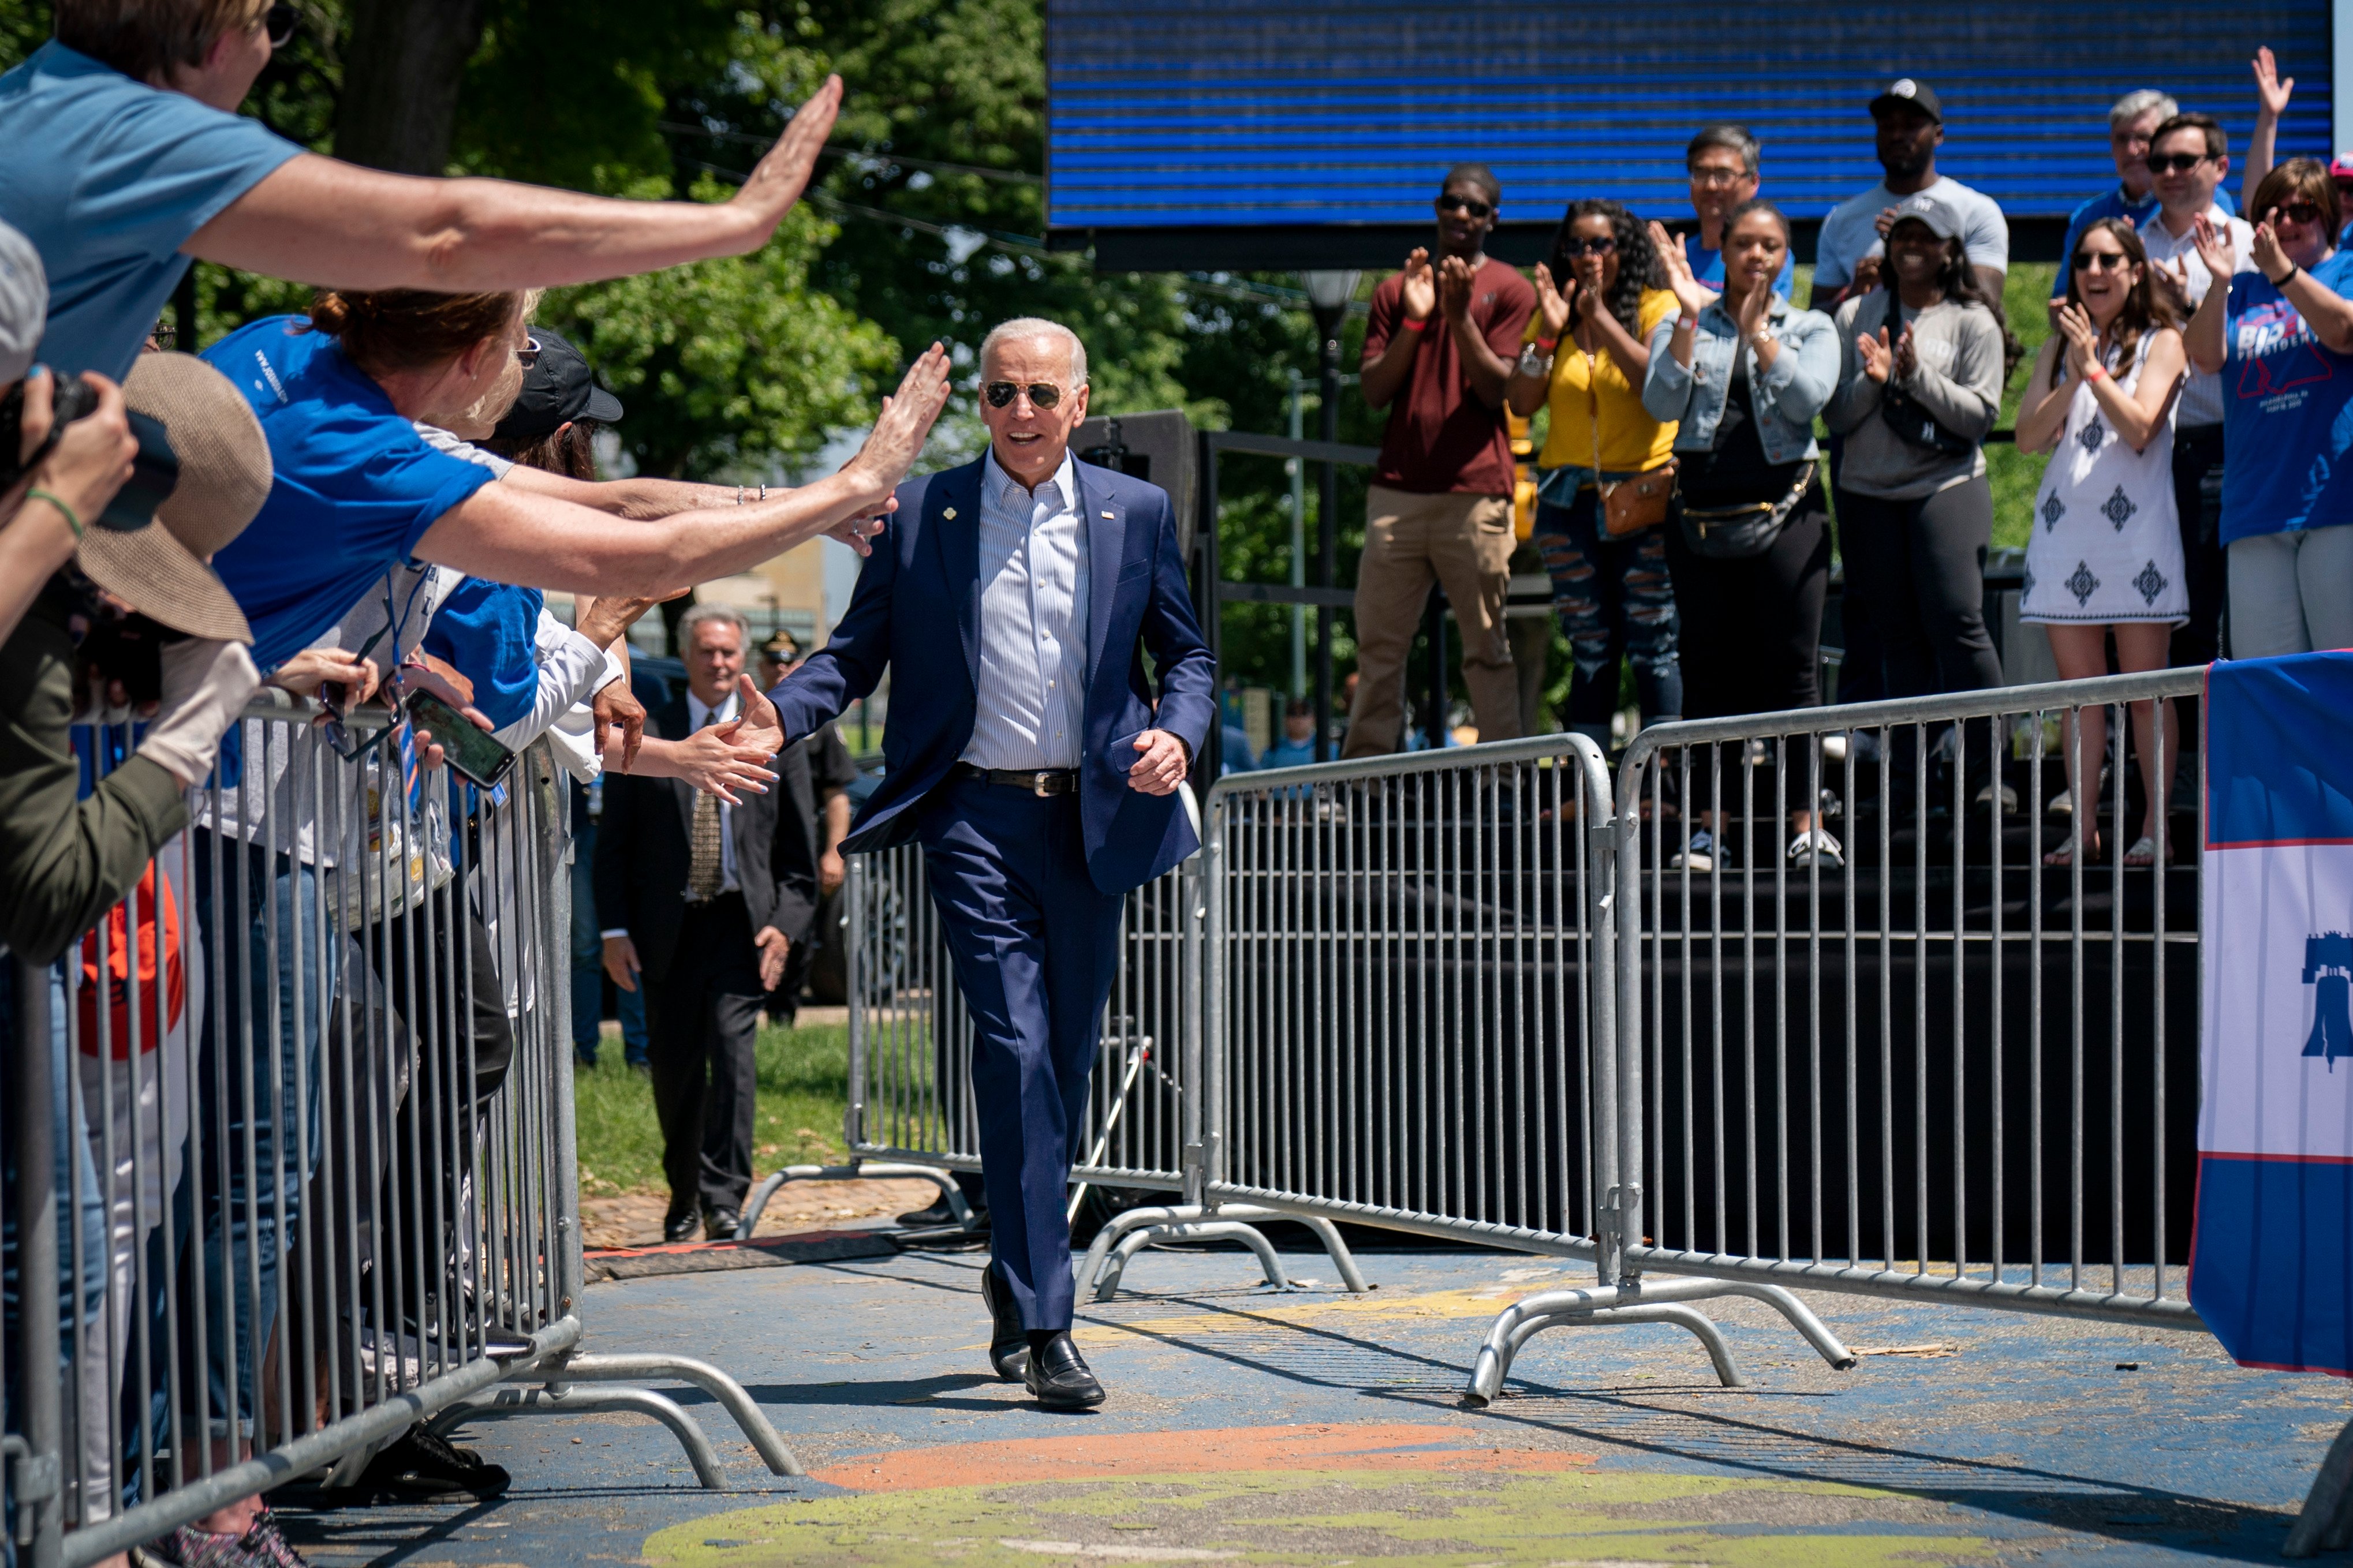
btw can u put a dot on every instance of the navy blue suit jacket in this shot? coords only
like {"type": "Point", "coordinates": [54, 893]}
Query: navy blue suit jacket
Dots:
{"type": "Point", "coordinates": [916, 610]}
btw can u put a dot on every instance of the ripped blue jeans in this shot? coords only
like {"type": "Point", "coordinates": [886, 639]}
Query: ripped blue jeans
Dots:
{"type": "Point", "coordinates": [1615, 600]}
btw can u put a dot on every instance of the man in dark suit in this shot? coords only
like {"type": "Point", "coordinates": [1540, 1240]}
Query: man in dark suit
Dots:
{"type": "Point", "coordinates": [1029, 753]}
{"type": "Point", "coordinates": [711, 897]}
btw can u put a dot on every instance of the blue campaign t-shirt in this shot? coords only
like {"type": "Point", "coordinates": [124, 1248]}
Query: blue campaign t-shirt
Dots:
{"type": "Point", "coordinates": [490, 633]}
{"type": "Point", "coordinates": [353, 486]}
{"type": "Point", "coordinates": [108, 177]}
{"type": "Point", "coordinates": [1707, 266]}
{"type": "Point", "coordinates": [2287, 412]}
{"type": "Point", "coordinates": [2114, 203]}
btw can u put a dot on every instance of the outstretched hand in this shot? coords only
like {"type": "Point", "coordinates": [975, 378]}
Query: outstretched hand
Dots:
{"type": "Point", "coordinates": [780, 177]}
{"type": "Point", "coordinates": [757, 723]}
{"type": "Point", "coordinates": [905, 422]}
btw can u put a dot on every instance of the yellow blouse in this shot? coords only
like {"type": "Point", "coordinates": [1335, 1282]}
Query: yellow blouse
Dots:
{"type": "Point", "coordinates": [1632, 441]}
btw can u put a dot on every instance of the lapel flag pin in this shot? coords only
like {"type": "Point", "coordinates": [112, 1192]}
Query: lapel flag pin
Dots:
{"type": "Point", "coordinates": [1106, 514]}
{"type": "Point", "coordinates": [949, 513]}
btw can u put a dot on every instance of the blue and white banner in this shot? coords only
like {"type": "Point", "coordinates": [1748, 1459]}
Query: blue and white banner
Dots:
{"type": "Point", "coordinates": [2271, 1266]}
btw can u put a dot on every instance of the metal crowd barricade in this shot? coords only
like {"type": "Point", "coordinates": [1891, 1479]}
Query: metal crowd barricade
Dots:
{"type": "Point", "coordinates": [299, 1157]}
{"type": "Point", "coordinates": [1942, 1067]}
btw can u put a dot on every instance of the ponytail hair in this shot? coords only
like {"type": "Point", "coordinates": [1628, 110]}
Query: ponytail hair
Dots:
{"type": "Point", "coordinates": [385, 331]}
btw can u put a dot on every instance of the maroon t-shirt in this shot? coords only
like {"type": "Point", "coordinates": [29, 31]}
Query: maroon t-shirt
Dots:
{"type": "Point", "coordinates": [1441, 436]}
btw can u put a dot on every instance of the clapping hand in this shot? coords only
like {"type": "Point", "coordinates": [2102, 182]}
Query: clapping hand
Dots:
{"type": "Point", "coordinates": [1878, 359]}
{"type": "Point", "coordinates": [2268, 257]}
{"type": "Point", "coordinates": [2271, 92]}
{"type": "Point", "coordinates": [1755, 310]}
{"type": "Point", "coordinates": [1553, 307]}
{"type": "Point", "coordinates": [2083, 341]}
{"type": "Point", "coordinates": [2169, 280]}
{"type": "Point", "coordinates": [2216, 249]}
{"type": "Point", "coordinates": [1688, 292]}
{"type": "Point", "coordinates": [1455, 277]}
{"type": "Point", "coordinates": [1907, 359]}
{"type": "Point", "coordinates": [1418, 291]}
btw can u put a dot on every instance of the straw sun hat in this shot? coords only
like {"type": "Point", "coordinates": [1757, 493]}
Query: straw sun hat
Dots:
{"type": "Point", "coordinates": [224, 477]}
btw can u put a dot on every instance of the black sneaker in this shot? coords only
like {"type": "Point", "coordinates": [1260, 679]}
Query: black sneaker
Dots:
{"type": "Point", "coordinates": [421, 1463]}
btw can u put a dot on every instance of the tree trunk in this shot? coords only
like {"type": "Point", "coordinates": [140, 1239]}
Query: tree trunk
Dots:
{"type": "Point", "coordinates": [402, 69]}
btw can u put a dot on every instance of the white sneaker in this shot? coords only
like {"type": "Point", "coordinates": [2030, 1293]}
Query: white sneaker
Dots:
{"type": "Point", "coordinates": [1816, 847]}
{"type": "Point", "coordinates": [2010, 799]}
{"type": "Point", "coordinates": [1699, 855]}
{"type": "Point", "coordinates": [2062, 804]}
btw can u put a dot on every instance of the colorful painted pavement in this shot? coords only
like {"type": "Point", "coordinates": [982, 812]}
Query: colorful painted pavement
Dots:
{"type": "Point", "coordinates": [1314, 1428]}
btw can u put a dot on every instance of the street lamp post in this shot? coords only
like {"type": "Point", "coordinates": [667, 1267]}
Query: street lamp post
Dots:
{"type": "Point", "coordinates": [1328, 294]}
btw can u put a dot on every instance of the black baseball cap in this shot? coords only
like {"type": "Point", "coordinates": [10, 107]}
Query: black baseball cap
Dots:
{"type": "Point", "coordinates": [1917, 95]}
{"type": "Point", "coordinates": [560, 387]}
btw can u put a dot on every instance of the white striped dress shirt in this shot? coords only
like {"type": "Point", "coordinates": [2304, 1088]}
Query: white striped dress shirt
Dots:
{"type": "Point", "coordinates": [1033, 621]}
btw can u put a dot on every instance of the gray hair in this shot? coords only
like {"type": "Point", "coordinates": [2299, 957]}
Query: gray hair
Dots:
{"type": "Point", "coordinates": [1022, 328]}
{"type": "Point", "coordinates": [1738, 138]}
{"type": "Point", "coordinates": [2139, 101]}
{"type": "Point", "coordinates": [702, 614]}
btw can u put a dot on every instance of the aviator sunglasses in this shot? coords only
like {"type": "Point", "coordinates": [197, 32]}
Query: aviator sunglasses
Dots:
{"type": "Point", "coordinates": [1042, 394]}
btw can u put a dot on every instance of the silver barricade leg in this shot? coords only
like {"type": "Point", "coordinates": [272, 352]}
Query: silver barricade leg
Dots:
{"type": "Point", "coordinates": [530, 1208]}
{"type": "Point", "coordinates": [875, 923]}
{"type": "Point", "coordinates": [36, 1472]}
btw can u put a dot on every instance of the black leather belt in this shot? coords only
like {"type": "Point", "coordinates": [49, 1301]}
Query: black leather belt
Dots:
{"type": "Point", "coordinates": [1042, 781]}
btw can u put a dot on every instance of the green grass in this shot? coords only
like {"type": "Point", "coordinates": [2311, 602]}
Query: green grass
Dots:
{"type": "Point", "coordinates": [804, 1079]}
{"type": "Point", "coordinates": [2016, 475]}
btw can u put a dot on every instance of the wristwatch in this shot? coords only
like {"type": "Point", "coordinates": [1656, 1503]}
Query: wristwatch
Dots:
{"type": "Point", "coordinates": [1533, 363]}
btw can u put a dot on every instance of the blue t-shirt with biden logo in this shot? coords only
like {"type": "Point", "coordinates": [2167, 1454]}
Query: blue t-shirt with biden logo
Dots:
{"type": "Point", "coordinates": [2288, 412]}
{"type": "Point", "coordinates": [353, 486]}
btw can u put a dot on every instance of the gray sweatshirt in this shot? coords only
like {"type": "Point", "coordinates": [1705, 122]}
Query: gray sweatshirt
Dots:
{"type": "Point", "coordinates": [1957, 378]}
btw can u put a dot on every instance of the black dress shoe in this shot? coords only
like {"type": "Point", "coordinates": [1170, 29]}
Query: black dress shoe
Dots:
{"type": "Point", "coordinates": [940, 1214]}
{"type": "Point", "coordinates": [1059, 1378]}
{"type": "Point", "coordinates": [1008, 1343]}
{"type": "Point", "coordinates": [680, 1226]}
{"type": "Point", "coordinates": [422, 1464]}
{"type": "Point", "coordinates": [719, 1225]}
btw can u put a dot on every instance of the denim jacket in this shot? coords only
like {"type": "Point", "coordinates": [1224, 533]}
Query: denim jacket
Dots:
{"type": "Point", "coordinates": [1786, 397]}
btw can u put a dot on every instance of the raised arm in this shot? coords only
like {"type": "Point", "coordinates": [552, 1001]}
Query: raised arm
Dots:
{"type": "Point", "coordinates": [320, 220]}
{"type": "Point", "coordinates": [2271, 102]}
{"type": "Point", "coordinates": [515, 534]}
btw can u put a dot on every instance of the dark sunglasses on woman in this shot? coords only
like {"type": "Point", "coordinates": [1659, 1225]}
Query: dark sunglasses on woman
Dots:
{"type": "Point", "coordinates": [1042, 394]}
{"type": "Point", "coordinates": [2102, 262]}
{"type": "Point", "coordinates": [280, 21]}
{"type": "Point", "coordinates": [2306, 213]}
{"type": "Point", "coordinates": [1574, 246]}
{"type": "Point", "coordinates": [1450, 202]}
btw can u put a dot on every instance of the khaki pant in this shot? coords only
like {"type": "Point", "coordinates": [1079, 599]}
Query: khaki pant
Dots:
{"type": "Point", "coordinates": [1465, 542]}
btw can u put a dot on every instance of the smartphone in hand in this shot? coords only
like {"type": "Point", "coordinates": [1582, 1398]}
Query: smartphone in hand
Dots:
{"type": "Point", "coordinates": [475, 753]}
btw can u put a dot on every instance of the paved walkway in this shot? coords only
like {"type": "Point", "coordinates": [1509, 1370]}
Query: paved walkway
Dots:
{"type": "Point", "coordinates": [1314, 1427]}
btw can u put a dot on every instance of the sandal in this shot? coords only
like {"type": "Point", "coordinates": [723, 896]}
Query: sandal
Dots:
{"type": "Point", "coordinates": [2066, 854]}
{"type": "Point", "coordinates": [2143, 852]}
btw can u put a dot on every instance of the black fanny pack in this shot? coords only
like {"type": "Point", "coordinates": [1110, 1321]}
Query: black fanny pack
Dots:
{"type": "Point", "coordinates": [1737, 533]}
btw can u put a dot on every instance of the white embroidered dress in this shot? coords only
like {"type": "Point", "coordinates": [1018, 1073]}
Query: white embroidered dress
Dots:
{"type": "Point", "coordinates": [2107, 540]}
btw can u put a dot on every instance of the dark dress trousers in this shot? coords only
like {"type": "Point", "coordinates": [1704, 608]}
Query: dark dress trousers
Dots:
{"type": "Point", "coordinates": [1028, 887]}
{"type": "Point", "coordinates": [700, 972]}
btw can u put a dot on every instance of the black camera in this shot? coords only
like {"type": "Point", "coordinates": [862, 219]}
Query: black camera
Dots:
{"type": "Point", "coordinates": [155, 470]}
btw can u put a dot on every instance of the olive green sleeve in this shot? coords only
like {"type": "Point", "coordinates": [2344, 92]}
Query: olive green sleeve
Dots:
{"type": "Point", "coordinates": [63, 861]}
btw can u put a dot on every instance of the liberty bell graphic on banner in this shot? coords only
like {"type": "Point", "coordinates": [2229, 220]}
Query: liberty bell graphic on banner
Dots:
{"type": "Point", "coordinates": [2328, 968]}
